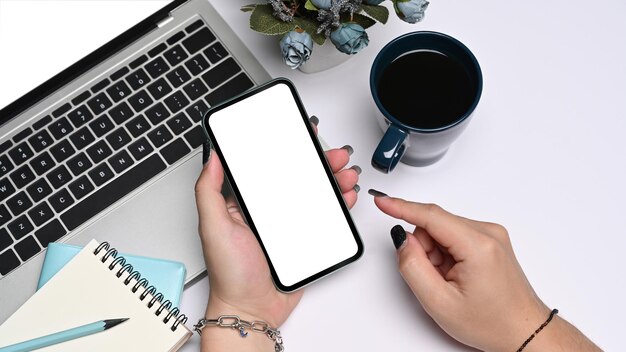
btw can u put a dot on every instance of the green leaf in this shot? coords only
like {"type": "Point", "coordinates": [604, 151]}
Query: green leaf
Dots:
{"type": "Point", "coordinates": [378, 12]}
{"type": "Point", "coordinates": [309, 6]}
{"type": "Point", "coordinates": [310, 26]}
{"type": "Point", "coordinates": [363, 20]}
{"type": "Point", "coordinates": [248, 8]}
{"type": "Point", "coordinates": [262, 20]}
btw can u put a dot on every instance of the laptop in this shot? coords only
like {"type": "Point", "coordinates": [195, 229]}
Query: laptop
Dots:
{"type": "Point", "coordinates": [110, 147]}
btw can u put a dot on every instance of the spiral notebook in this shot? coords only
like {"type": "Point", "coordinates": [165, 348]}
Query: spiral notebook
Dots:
{"type": "Point", "coordinates": [98, 284]}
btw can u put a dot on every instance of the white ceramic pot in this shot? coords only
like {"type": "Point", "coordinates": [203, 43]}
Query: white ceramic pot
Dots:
{"type": "Point", "coordinates": [324, 57]}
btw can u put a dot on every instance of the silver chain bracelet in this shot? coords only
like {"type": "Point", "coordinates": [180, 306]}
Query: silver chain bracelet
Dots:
{"type": "Point", "coordinates": [235, 322]}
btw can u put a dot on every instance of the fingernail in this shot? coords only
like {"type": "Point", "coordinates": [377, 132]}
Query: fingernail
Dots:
{"type": "Point", "coordinates": [376, 193]}
{"type": "Point", "coordinates": [357, 169]}
{"type": "Point", "coordinates": [357, 188]}
{"type": "Point", "coordinates": [206, 152]}
{"type": "Point", "coordinates": [314, 120]}
{"type": "Point", "coordinates": [398, 235]}
{"type": "Point", "coordinates": [348, 148]}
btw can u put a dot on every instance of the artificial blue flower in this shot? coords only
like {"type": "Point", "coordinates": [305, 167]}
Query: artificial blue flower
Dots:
{"type": "Point", "coordinates": [322, 4]}
{"type": "Point", "coordinates": [349, 38]}
{"type": "Point", "coordinates": [410, 11]}
{"type": "Point", "coordinates": [373, 2]}
{"type": "Point", "coordinates": [296, 48]}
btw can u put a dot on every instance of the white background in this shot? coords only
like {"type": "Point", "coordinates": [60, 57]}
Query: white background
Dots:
{"type": "Point", "coordinates": [544, 155]}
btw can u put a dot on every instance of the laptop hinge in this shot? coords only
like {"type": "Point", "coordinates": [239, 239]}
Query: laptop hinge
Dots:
{"type": "Point", "coordinates": [165, 21]}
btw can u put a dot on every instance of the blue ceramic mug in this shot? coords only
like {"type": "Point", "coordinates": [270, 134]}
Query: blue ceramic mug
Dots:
{"type": "Point", "coordinates": [426, 86]}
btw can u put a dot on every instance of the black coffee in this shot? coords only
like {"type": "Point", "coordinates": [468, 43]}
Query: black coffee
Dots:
{"type": "Point", "coordinates": [426, 89]}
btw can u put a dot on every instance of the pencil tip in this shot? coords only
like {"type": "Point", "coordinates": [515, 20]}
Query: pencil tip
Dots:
{"type": "Point", "coordinates": [112, 322]}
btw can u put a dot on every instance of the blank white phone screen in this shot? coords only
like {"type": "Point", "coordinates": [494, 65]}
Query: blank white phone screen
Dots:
{"type": "Point", "coordinates": [265, 143]}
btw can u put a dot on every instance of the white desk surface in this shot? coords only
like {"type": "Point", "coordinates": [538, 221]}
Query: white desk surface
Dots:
{"type": "Point", "coordinates": [545, 155]}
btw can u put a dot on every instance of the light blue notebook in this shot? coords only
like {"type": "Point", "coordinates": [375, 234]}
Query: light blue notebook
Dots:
{"type": "Point", "coordinates": [167, 276]}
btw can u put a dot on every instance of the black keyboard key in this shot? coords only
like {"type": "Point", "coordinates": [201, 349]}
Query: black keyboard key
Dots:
{"type": "Point", "coordinates": [175, 150]}
{"type": "Point", "coordinates": [60, 128]}
{"type": "Point", "coordinates": [8, 262]}
{"type": "Point", "coordinates": [156, 67]}
{"type": "Point", "coordinates": [197, 64]}
{"type": "Point", "coordinates": [176, 37]}
{"type": "Point", "coordinates": [102, 125]}
{"type": "Point", "coordinates": [121, 161]}
{"type": "Point", "coordinates": [237, 85]}
{"type": "Point", "coordinates": [4, 215]}
{"type": "Point", "coordinates": [6, 188]}
{"type": "Point", "coordinates": [175, 55]}
{"type": "Point", "coordinates": [195, 89]}
{"type": "Point", "coordinates": [138, 62]}
{"type": "Point", "coordinates": [220, 73]}
{"type": "Point", "coordinates": [118, 138]}
{"type": "Point", "coordinates": [101, 174]}
{"type": "Point", "coordinates": [61, 200]}
{"type": "Point", "coordinates": [157, 114]}
{"type": "Point", "coordinates": [197, 110]}
{"type": "Point", "coordinates": [22, 176]}
{"type": "Point", "coordinates": [4, 146]}
{"type": "Point", "coordinates": [137, 79]}
{"type": "Point", "coordinates": [179, 123]}
{"type": "Point", "coordinates": [41, 140]}
{"type": "Point", "coordinates": [23, 134]}
{"type": "Point", "coordinates": [195, 137]}
{"type": "Point", "coordinates": [198, 40]}
{"type": "Point", "coordinates": [5, 239]}
{"type": "Point", "coordinates": [100, 85]}
{"type": "Point", "coordinates": [99, 151]}
{"type": "Point", "coordinates": [81, 187]}
{"type": "Point", "coordinates": [41, 214]}
{"type": "Point", "coordinates": [20, 227]}
{"type": "Point", "coordinates": [140, 101]}
{"type": "Point", "coordinates": [140, 148]}
{"type": "Point", "coordinates": [19, 203]}
{"type": "Point", "coordinates": [59, 176]}
{"type": "Point", "coordinates": [178, 76]}
{"type": "Point", "coordinates": [118, 91]}
{"type": "Point", "coordinates": [157, 50]}
{"type": "Point", "coordinates": [138, 126]}
{"type": "Point", "coordinates": [82, 138]}
{"type": "Point", "coordinates": [159, 88]}
{"type": "Point", "coordinates": [216, 52]}
{"type": "Point", "coordinates": [27, 248]}
{"type": "Point", "coordinates": [42, 164]}
{"type": "Point", "coordinates": [121, 113]}
{"type": "Point", "coordinates": [99, 103]}
{"type": "Point", "coordinates": [39, 190]}
{"type": "Point", "coordinates": [81, 98]}
{"type": "Point", "coordinates": [120, 73]}
{"type": "Point", "coordinates": [192, 27]}
{"type": "Point", "coordinates": [20, 153]}
{"type": "Point", "coordinates": [80, 116]}
{"type": "Point", "coordinates": [42, 122]}
{"type": "Point", "coordinates": [79, 164]}
{"type": "Point", "coordinates": [5, 165]}
{"type": "Point", "coordinates": [62, 150]}
{"type": "Point", "coordinates": [62, 110]}
{"type": "Point", "coordinates": [50, 233]}
{"type": "Point", "coordinates": [104, 197]}
{"type": "Point", "coordinates": [160, 136]}
{"type": "Point", "coordinates": [176, 102]}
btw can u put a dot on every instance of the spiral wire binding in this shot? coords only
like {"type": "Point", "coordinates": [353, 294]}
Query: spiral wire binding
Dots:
{"type": "Point", "coordinates": [157, 297]}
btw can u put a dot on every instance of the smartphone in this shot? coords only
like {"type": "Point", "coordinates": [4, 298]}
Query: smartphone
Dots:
{"type": "Point", "coordinates": [285, 187]}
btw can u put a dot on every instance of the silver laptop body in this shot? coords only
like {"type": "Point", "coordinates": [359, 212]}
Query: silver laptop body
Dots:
{"type": "Point", "coordinates": [159, 217]}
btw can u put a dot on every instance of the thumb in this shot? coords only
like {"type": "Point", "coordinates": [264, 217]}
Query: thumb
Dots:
{"type": "Point", "coordinates": [417, 270]}
{"type": "Point", "coordinates": [209, 199]}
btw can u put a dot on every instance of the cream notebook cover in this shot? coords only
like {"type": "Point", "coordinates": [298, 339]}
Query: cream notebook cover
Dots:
{"type": "Point", "coordinates": [87, 290]}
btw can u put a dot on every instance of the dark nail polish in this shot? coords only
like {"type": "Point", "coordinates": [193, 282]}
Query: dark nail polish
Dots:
{"type": "Point", "coordinates": [314, 120]}
{"type": "Point", "coordinates": [357, 169]}
{"type": "Point", "coordinates": [398, 235]}
{"type": "Point", "coordinates": [206, 152]}
{"type": "Point", "coordinates": [376, 193]}
{"type": "Point", "coordinates": [348, 148]}
{"type": "Point", "coordinates": [357, 188]}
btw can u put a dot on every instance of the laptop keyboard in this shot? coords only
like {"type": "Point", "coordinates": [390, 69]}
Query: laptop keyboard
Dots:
{"type": "Point", "coordinates": [110, 139]}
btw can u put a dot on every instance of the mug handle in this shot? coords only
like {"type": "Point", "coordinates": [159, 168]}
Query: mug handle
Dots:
{"type": "Point", "coordinates": [390, 149]}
